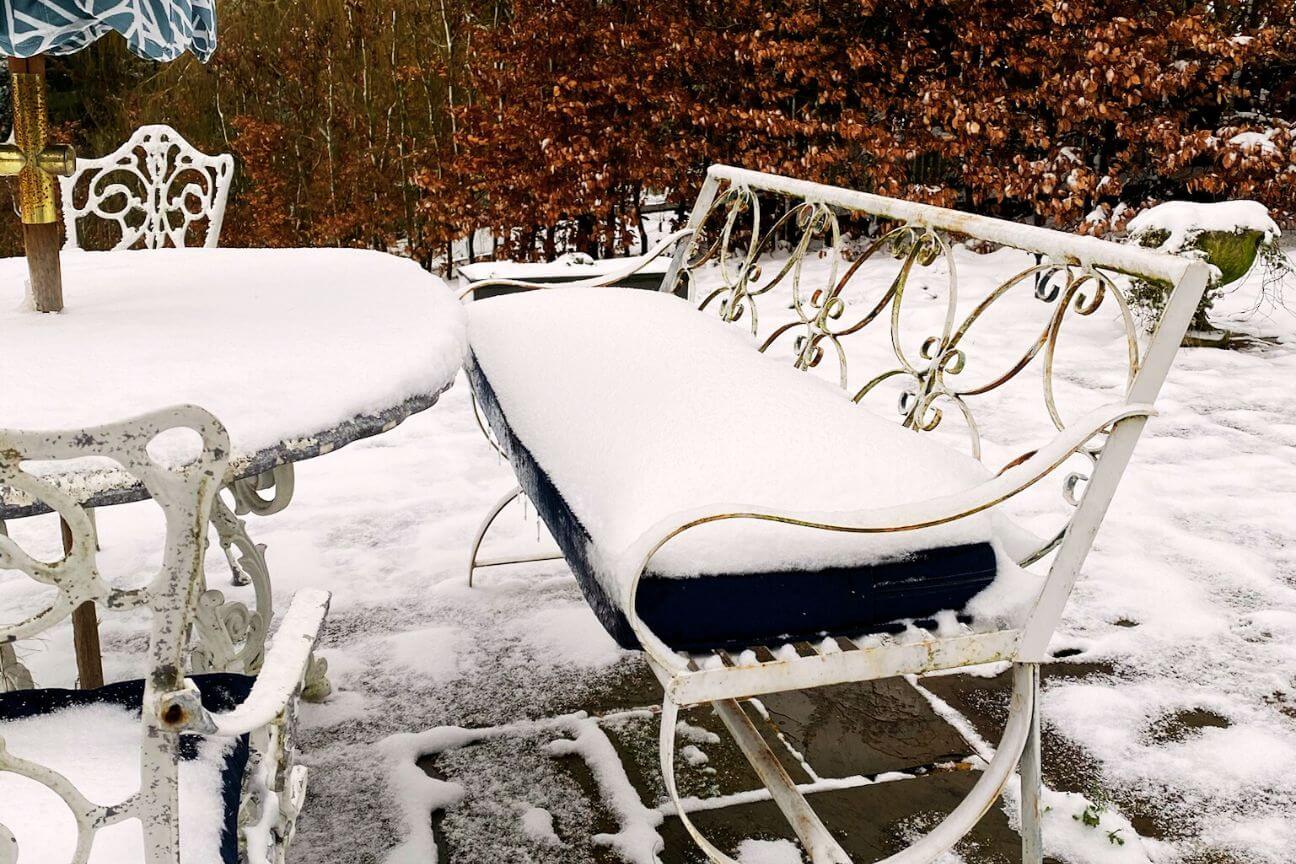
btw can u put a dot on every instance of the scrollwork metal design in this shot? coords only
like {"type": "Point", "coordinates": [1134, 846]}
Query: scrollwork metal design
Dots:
{"type": "Point", "coordinates": [272, 782]}
{"type": "Point", "coordinates": [732, 247]}
{"type": "Point", "coordinates": [247, 491]}
{"type": "Point", "coordinates": [14, 674]}
{"type": "Point", "coordinates": [156, 187]}
{"type": "Point", "coordinates": [229, 637]}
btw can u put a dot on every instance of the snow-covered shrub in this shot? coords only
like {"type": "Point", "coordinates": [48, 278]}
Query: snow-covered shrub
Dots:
{"type": "Point", "coordinates": [1231, 236]}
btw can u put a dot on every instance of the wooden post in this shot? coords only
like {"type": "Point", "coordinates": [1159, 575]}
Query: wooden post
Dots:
{"type": "Point", "coordinates": [36, 192]}
{"type": "Point", "coordinates": [85, 633]}
{"type": "Point", "coordinates": [42, 246]}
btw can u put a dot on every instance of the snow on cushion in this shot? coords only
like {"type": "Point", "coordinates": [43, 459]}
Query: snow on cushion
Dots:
{"type": "Point", "coordinates": [620, 408]}
{"type": "Point", "coordinates": [92, 737]}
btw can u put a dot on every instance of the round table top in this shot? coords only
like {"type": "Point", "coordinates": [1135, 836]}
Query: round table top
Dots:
{"type": "Point", "coordinates": [296, 351]}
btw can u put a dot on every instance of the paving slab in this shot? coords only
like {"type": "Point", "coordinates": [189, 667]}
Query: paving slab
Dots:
{"type": "Point", "coordinates": [864, 728]}
{"type": "Point", "coordinates": [504, 778]}
{"type": "Point", "coordinates": [708, 763]}
{"type": "Point", "coordinates": [844, 731]}
{"type": "Point", "coordinates": [871, 822]}
{"type": "Point", "coordinates": [1068, 767]}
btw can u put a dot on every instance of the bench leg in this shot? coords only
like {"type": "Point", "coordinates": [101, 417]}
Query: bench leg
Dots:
{"type": "Point", "coordinates": [823, 848]}
{"type": "Point", "coordinates": [1032, 781]}
{"type": "Point", "coordinates": [475, 563]}
{"type": "Point", "coordinates": [806, 824]}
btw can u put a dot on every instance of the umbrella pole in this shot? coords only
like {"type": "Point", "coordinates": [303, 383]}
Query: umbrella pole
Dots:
{"type": "Point", "coordinates": [36, 162]}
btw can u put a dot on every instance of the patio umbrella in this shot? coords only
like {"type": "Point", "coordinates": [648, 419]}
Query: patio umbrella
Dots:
{"type": "Point", "coordinates": [30, 29]}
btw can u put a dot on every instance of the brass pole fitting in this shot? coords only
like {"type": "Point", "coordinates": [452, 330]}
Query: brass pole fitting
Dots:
{"type": "Point", "coordinates": [36, 162]}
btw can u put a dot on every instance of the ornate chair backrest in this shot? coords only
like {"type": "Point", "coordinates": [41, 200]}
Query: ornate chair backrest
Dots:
{"type": "Point", "coordinates": [836, 299]}
{"type": "Point", "coordinates": [156, 187]}
{"type": "Point", "coordinates": [185, 495]}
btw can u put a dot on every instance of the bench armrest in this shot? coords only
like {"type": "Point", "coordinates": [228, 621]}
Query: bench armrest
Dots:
{"type": "Point", "coordinates": [277, 683]}
{"type": "Point", "coordinates": [602, 281]}
{"type": "Point", "coordinates": [906, 517]}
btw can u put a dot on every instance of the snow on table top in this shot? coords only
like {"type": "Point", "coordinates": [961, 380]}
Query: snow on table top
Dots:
{"type": "Point", "coordinates": [640, 407]}
{"type": "Point", "coordinates": [279, 344]}
{"type": "Point", "coordinates": [97, 748]}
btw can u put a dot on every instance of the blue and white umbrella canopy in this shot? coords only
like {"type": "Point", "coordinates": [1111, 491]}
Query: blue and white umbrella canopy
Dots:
{"type": "Point", "coordinates": [157, 29]}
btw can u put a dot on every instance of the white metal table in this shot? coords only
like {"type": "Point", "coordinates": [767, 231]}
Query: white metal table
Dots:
{"type": "Point", "coordinates": [297, 351]}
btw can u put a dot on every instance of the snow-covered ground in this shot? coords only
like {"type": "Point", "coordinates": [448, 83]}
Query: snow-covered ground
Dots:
{"type": "Point", "coordinates": [1189, 596]}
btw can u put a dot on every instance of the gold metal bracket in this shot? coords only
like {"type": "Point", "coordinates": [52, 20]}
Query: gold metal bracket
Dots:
{"type": "Point", "coordinates": [34, 161]}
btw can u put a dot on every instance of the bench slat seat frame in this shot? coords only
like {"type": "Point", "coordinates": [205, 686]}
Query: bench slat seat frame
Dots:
{"type": "Point", "coordinates": [1070, 265]}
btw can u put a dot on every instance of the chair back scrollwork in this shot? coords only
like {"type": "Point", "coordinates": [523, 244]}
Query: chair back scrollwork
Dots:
{"type": "Point", "coordinates": [157, 188]}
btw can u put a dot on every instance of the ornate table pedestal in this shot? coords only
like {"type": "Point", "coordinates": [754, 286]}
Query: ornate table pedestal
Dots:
{"type": "Point", "coordinates": [227, 636]}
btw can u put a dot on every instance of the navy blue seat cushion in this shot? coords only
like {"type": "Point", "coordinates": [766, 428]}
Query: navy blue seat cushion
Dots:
{"type": "Point", "coordinates": [220, 692]}
{"type": "Point", "coordinates": [735, 611]}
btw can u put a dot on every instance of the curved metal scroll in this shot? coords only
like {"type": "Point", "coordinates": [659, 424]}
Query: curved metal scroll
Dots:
{"type": "Point", "coordinates": [228, 636]}
{"type": "Point", "coordinates": [732, 247]}
{"type": "Point", "coordinates": [280, 481]}
{"type": "Point", "coordinates": [155, 187]}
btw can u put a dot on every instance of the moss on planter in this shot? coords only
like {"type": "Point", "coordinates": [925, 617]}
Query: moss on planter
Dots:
{"type": "Point", "coordinates": [1233, 253]}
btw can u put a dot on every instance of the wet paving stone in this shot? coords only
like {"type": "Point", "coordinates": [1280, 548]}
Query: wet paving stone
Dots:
{"type": "Point", "coordinates": [723, 772]}
{"type": "Point", "coordinates": [849, 730]}
{"type": "Point", "coordinates": [1185, 724]}
{"type": "Point", "coordinates": [844, 731]}
{"type": "Point", "coordinates": [1211, 857]}
{"type": "Point", "coordinates": [871, 822]}
{"type": "Point", "coordinates": [984, 700]}
{"type": "Point", "coordinates": [864, 728]}
{"type": "Point", "coordinates": [629, 685]}
{"type": "Point", "coordinates": [505, 777]}
{"type": "Point", "coordinates": [1068, 767]}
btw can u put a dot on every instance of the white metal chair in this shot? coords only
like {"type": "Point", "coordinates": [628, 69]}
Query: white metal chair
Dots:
{"type": "Point", "coordinates": [727, 241]}
{"type": "Point", "coordinates": [156, 187]}
{"type": "Point", "coordinates": [205, 764]}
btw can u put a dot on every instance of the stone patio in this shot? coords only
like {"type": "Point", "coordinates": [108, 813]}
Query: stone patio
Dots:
{"type": "Point", "coordinates": [849, 733]}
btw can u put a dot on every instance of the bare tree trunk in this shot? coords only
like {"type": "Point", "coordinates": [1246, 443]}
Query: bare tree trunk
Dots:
{"type": "Point", "coordinates": [550, 245]}
{"type": "Point", "coordinates": [611, 245]}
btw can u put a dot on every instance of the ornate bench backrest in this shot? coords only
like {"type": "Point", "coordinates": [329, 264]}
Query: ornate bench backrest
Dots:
{"type": "Point", "coordinates": [728, 271]}
{"type": "Point", "coordinates": [156, 187]}
{"type": "Point", "coordinates": [818, 313]}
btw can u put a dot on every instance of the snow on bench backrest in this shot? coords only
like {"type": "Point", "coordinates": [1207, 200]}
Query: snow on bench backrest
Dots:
{"type": "Point", "coordinates": [902, 312]}
{"type": "Point", "coordinates": [790, 277]}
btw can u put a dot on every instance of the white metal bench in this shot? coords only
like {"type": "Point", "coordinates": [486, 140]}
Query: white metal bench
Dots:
{"type": "Point", "coordinates": [725, 253]}
{"type": "Point", "coordinates": [205, 764]}
{"type": "Point", "coordinates": [156, 187]}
